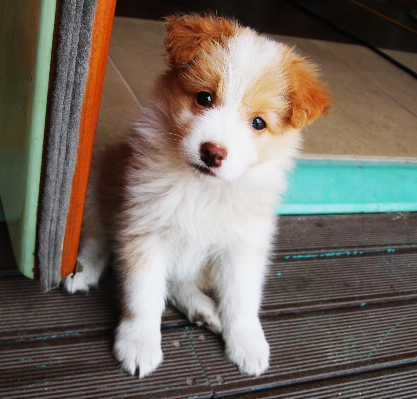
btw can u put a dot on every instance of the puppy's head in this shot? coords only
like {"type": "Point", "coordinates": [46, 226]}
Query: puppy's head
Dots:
{"type": "Point", "coordinates": [233, 98]}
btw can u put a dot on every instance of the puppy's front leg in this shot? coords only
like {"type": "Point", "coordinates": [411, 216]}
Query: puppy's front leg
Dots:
{"type": "Point", "coordinates": [138, 337]}
{"type": "Point", "coordinates": [240, 281]}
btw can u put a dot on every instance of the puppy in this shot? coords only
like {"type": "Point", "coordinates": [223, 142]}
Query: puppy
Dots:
{"type": "Point", "coordinates": [186, 200]}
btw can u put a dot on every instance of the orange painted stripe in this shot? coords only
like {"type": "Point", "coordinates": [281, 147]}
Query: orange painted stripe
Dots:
{"type": "Point", "coordinates": [103, 22]}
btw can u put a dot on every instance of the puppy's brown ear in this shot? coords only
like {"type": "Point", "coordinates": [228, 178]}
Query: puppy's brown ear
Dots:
{"type": "Point", "coordinates": [187, 34]}
{"type": "Point", "coordinates": [308, 99]}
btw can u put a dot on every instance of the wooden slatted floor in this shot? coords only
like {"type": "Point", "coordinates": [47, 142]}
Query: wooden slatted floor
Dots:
{"type": "Point", "coordinates": [339, 312]}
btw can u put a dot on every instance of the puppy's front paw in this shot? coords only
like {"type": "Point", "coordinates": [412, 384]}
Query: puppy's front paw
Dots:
{"type": "Point", "coordinates": [135, 348]}
{"type": "Point", "coordinates": [247, 347]}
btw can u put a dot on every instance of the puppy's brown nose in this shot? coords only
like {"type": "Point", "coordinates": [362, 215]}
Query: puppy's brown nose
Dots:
{"type": "Point", "coordinates": [212, 155]}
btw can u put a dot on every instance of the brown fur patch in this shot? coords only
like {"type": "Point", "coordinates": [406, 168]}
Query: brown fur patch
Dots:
{"type": "Point", "coordinates": [171, 100]}
{"type": "Point", "coordinates": [308, 98]}
{"type": "Point", "coordinates": [176, 90]}
{"type": "Point", "coordinates": [112, 182]}
{"type": "Point", "coordinates": [188, 34]}
{"type": "Point", "coordinates": [266, 99]}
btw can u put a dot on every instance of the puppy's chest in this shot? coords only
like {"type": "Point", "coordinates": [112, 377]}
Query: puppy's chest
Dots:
{"type": "Point", "coordinates": [210, 216]}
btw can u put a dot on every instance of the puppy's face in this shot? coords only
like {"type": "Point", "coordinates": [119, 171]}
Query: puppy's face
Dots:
{"type": "Point", "coordinates": [231, 95]}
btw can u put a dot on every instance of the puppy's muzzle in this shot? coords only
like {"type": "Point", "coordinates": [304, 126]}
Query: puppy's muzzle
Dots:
{"type": "Point", "coordinates": [212, 155]}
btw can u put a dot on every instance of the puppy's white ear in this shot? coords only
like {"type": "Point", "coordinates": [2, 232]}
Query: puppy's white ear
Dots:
{"type": "Point", "coordinates": [307, 97]}
{"type": "Point", "coordinates": [188, 34]}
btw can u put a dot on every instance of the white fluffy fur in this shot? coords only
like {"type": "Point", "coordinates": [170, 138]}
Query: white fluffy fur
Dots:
{"type": "Point", "coordinates": [183, 232]}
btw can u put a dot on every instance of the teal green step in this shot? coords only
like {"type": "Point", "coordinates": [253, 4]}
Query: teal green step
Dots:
{"type": "Point", "coordinates": [350, 186]}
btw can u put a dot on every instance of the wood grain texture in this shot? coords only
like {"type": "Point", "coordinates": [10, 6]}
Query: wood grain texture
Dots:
{"type": "Point", "coordinates": [340, 325]}
{"type": "Point", "coordinates": [102, 27]}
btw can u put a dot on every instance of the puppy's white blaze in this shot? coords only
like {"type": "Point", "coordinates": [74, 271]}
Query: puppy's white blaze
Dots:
{"type": "Point", "coordinates": [246, 58]}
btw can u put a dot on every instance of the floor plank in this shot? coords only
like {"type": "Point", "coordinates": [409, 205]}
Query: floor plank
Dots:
{"type": "Point", "coordinates": [84, 368]}
{"type": "Point", "coordinates": [398, 383]}
{"type": "Point", "coordinates": [319, 346]}
{"type": "Point", "coordinates": [339, 279]}
{"type": "Point", "coordinates": [326, 232]}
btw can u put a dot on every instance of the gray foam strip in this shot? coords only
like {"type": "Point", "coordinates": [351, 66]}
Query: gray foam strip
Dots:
{"type": "Point", "coordinates": [73, 55]}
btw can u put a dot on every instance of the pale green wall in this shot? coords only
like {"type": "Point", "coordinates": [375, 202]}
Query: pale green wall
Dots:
{"type": "Point", "coordinates": [26, 31]}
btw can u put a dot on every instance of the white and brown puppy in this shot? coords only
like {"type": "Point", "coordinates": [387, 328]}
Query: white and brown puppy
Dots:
{"type": "Point", "coordinates": [186, 201]}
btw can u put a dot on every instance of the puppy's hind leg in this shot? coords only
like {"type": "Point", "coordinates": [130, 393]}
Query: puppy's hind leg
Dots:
{"type": "Point", "coordinates": [198, 307]}
{"type": "Point", "coordinates": [93, 256]}
{"type": "Point", "coordinates": [94, 249]}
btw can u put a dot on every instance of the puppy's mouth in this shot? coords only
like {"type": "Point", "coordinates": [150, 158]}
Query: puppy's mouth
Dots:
{"type": "Point", "coordinates": [202, 169]}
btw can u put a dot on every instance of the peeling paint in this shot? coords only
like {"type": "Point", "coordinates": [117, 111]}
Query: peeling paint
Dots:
{"type": "Point", "coordinates": [384, 338]}
{"type": "Point", "coordinates": [338, 254]}
{"type": "Point", "coordinates": [46, 337]}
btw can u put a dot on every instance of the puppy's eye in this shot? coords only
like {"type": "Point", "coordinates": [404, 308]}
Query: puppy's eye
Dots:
{"type": "Point", "coordinates": [258, 123]}
{"type": "Point", "coordinates": [204, 99]}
